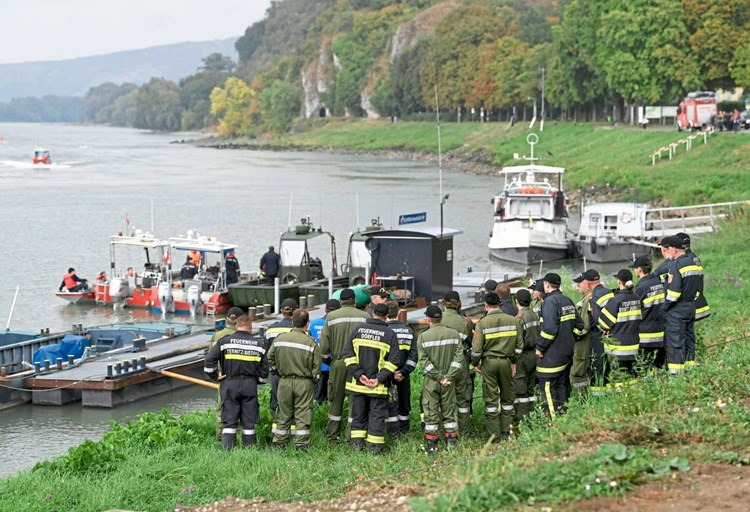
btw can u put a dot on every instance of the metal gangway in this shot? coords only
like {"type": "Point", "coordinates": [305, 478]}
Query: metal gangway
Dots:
{"type": "Point", "coordinates": [699, 218]}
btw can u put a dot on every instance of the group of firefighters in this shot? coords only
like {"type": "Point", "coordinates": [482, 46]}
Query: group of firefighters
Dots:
{"type": "Point", "coordinates": [604, 342]}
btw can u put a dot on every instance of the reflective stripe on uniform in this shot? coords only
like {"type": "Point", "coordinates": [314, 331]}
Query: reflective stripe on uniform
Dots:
{"type": "Point", "coordinates": [602, 301]}
{"type": "Point", "coordinates": [250, 432]}
{"type": "Point", "coordinates": [502, 328]}
{"type": "Point", "coordinates": [620, 350]}
{"type": "Point", "coordinates": [451, 424]}
{"type": "Point", "coordinates": [672, 296]}
{"type": "Point", "coordinates": [229, 431]}
{"type": "Point", "coordinates": [343, 320]}
{"type": "Point", "coordinates": [566, 318]}
{"type": "Point", "coordinates": [279, 432]}
{"type": "Point", "coordinates": [547, 336]}
{"type": "Point", "coordinates": [240, 357]}
{"type": "Point", "coordinates": [490, 409]}
{"type": "Point", "coordinates": [429, 367]}
{"type": "Point", "coordinates": [507, 407]}
{"type": "Point", "coordinates": [648, 338]}
{"type": "Point", "coordinates": [302, 432]}
{"type": "Point", "coordinates": [691, 270]}
{"type": "Point", "coordinates": [542, 369]}
{"type": "Point", "coordinates": [628, 316]}
{"type": "Point", "coordinates": [440, 343]}
{"type": "Point", "coordinates": [377, 345]}
{"type": "Point", "coordinates": [430, 428]}
{"type": "Point", "coordinates": [455, 364]}
{"type": "Point", "coordinates": [375, 439]}
{"type": "Point", "coordinates": [334, 418]}
{"type": "Point", "coordinates": [289, 344]}
{"type": "Point", "coordinates": [240, 346]}
{"type": "Point", "coordinates": [402, 418]}
{"type": "Point", "coordinates": [358, 434]}
{"type": "Point", "coordinates": [392, 419]}
{"type": "Point", "coordinates": [548, 396]}
{"type": "Point", "coordinates": [464, 410]}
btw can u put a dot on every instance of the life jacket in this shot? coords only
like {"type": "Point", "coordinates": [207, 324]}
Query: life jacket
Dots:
{"type": "Point", "coordinates": [70, 283]}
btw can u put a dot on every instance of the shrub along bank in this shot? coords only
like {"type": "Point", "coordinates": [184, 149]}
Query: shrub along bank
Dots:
{"type": "Point", "coordinates": [603, 447]}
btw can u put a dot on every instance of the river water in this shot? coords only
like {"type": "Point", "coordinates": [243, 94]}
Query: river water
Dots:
{"type": "Point", "coordinates": [53, 217]}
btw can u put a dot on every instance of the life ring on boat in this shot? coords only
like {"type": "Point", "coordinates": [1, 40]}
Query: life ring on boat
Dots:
{"type": "Point", "coordinates": [531, 190]}
{"type": "Point", "coordinates": [357, 280]}
{"type": "Point", "coordinates": [289, 278]}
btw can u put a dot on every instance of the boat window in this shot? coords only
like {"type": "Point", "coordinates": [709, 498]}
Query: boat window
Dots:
{"type": "Point", "coordinates": [359, 254]}
{"type": "Point", "coordinates": [610, 223]}
{"type": "Point", "coordinates": [292, 252]}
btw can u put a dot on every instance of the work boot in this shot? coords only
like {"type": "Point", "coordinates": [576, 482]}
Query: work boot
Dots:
{"type": "Point", "coordinates": [248, 440]}
{"type": "Point", "coordinates": [375, 449]}
{"type": "Point", "coordinates": [451, 438]}
{"type": "Point", "coordinates": [301, 448]}
{"type": "Point", "coordinates": [432, 446]}
{"type": "Point", "coordinates": [357, 444]}
{"type": "Point", "coordinates": [228, 441]}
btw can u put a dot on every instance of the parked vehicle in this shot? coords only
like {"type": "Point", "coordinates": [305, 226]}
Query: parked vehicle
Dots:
{"type": "Point", "coordinates": [697, 111]}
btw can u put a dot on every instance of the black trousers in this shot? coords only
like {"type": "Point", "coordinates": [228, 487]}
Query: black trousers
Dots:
{"type": "Point", "coordinates": [368, 415]}
{"type": "Point", "coordinates": [399, 409]}
{"type": "Point", "coordinates": [321, 391]}
{"type": "Point", "coordinates": [239, 404]}
{"type": "Point", "coordinates": [274, 393]}
{"type": "Point", "coordinates": [553, 391]}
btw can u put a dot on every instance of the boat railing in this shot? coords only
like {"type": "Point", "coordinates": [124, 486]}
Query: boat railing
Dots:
{"type": "Point", "coordinates": [699, 218]}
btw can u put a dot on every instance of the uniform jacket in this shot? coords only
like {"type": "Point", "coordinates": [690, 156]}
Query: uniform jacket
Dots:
{"type": "Point", "coordinates": [531, 328]}
{"type": "Point", "coordinates": [622, 318]}
{"type": "Point", "coordinates": [600, 295]}
{"type": "Point", "coordinates": [584, 310]}
{"type": "Point", "coordinates": [440, 353]}
{"type": "Point", "coordinates": [336, 330]}
{"type": "Point", "coordinates": [702, 309]}
{"type": "Point", "coordinates": [295, 354]}
{"type": "Point", "coordinates": [282, 326]}
{"type": "Point", "coordinates": [685, 281]}
{"type": "Point", "coordinates": [270, 263]}
{"type": "Point", "coordinates": [507, 307]}
{"type": "Point", "coordinates": [561, 325]}
{"type": "Point", "coordinates": [240, 354]}
{"type": "Point", "coordinates": [407, 346]}
{"type": "Point", "coordinates": [372, 351]}
{"type": "Point", "coordinates": [464, 327]}
{"type": "Point", "coordinates": [650, 290]}
{"type": "Point", "coordinates": [497, 335]}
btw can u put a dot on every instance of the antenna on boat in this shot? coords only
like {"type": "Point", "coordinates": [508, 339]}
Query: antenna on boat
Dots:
{"type": "Point", "coordinates": [443, 198]}
{"type": "Point", "coordinates": [289, 222]}
{"type": "Point", "coordinates": [12, 307]}
{"type": "Point", "coordinates": [152, 216]}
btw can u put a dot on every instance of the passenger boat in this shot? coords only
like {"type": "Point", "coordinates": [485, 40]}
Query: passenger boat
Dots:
{"type": "Point", "coordinates": [42, 156]}
{"type": "Point", "coordinates": [613, 232]}
{"type": "Point", "coordinates": [530, 215]}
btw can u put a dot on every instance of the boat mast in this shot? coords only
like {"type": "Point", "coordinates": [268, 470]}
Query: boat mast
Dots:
{"type": "Point", "coordinates": [443, 198]}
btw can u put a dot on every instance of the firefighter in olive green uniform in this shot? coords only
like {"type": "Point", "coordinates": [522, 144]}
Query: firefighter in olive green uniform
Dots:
{"type": "Point", "coordinates": [580, 372]}
{"type": "Point", "coordinates": [498, 339]}
{"type": "Point", "coordinates": [524, 380]}
{"type": "Point", "coordinates": [284, 325]}
{"type": "Point", "coordinates": [336, 330]}
{"type": "Point", "coordinates": [371, 356]}
{"type": "Point", "coordinates": [463, 386]}
{"type": "Point", "coordinates": [442, 358]}
{"type": "Point", "coordinates": [295, 358]}
{"type": "Point", "coordinates": [229, 328]}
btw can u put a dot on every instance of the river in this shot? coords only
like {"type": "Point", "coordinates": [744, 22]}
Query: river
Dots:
{"type": "Point", "coordinates": [54, 217]}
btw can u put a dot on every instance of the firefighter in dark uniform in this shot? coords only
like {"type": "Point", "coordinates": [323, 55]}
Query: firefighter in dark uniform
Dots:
{"type": "Point", "coordinates": [284, 325]}
{"type": "Point", "coordinates": [684, 284]}
{"type": "Point", "coordinates": [498, 340]}
{"type": "Point", "coordinates": [371, 356]}
{"type": "Point", "coordinates": [651, 330]}
{"type": "Point", "coordinates": [580, 371]}
{"type": "Point", "coordinates": [295, 357]}
{"type": "Point", "coordinates": [600, 295]}
{"type": "Point", "coordinates": [399, 409]}
{"type": "Point", "coordinates": [229, 328]}
{"type": "Point", "coordinates": [441, 357]}
{"type": "Point", "coordinates": [242, 357]}
{"type": "Point", "coordinates": [524, 380]}
{"type": "Point", "coordinates": [336, 330]}
{"type": "Point", "coordinates": [702, 309]}
{"type": "Point", "coordinates": [464, 385]}
{"type": "Point", "coordinates": [620, 320]}
{"type": "Point", "coordinates": [232, 268]}
{"type": "Point", "coordinates": [561, 325]}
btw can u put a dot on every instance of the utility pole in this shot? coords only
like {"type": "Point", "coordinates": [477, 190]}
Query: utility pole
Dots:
{"type": "Point", "coordinates": [541, 124]}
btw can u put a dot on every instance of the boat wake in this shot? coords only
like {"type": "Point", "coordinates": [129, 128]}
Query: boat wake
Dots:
{"type": "Point", "coordinates": [17, 164]}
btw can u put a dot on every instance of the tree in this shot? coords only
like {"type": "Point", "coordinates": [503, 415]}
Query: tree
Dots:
{"type": "Point", "coordinates": [158, 106]}
{"type": "Point", "coordinates": [236, 106]}
{"type": "Point", "coordinates": [279, 105]}
{"type": "Point", "coordinates": [218, 63]}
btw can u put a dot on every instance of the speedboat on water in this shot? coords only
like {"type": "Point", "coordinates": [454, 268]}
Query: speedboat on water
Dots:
{"type": "Point", "coordinates": [530, 221]}
{"type": "Point", "coordinates": [42, 156]}
{"type": "Point", "coordinates": [77, 297]}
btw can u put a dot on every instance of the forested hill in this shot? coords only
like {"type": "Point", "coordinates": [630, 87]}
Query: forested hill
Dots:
{"type": "Point", "coordinates": [386, 57]}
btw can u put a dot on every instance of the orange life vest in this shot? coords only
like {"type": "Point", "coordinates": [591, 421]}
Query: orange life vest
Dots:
{"type": "Point", "coordinates": [70, 283]}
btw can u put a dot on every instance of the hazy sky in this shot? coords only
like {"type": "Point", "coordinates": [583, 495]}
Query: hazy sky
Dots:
{"type": "Point", "coordinates": [32, 30]}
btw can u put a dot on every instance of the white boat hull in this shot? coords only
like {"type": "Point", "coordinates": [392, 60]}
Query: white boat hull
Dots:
{"type": "Point", "coordinates": [76, 297]}
{"type": "Point", "coordinates": [525, 242]}
{"type": "Point", "coordinates": [611, 251]}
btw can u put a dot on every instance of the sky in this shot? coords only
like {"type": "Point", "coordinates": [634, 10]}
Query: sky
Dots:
{"type": "Point", "coordinates": [34, 30]}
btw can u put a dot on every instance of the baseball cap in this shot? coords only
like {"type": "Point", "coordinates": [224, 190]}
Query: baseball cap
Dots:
{"type": "Point", "coordinates": [380, 309]}
{"type": "Point", "coordinates": [537, 286]}
{"type": "Point", "coordinates": [591, 275]}
{"type": "Point", "coordinates": [624, 275]}
{"type": "Point", "coordinates": [523, 297]}
{"type": "Point", "coordinates": [433, 312]}
{"type": "Point", "coordinates": [577, 279]}
{"type": "Point", "coordinates": [289, 304]}
{"type": "Point", "coordinates": [333, 304]}
{"type": "Point", "coordinates": [347, 294]}
{"type": "Point", "coordinates": [452, 295]}
{"type": "Point", "coordinates": [672, 241]}
{"type": "Point", "coordinates": [380, 292]}
{"type": "Point", "coordinates": [553, 278]}
{"type": "Point", "coordinates": [491, 299]}
{"type": "Point", "coordinates": [641, 262]}
{"type": "Point", "coordinates": [490, 285]}
{"type": "Point", "coordinates": [235, 311]}
{"type": "Point", "coordinates": [684, 237]}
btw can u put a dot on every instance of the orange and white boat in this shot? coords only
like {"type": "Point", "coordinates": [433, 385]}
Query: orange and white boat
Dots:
{"type": "Point", "coordinates": [42, 156]}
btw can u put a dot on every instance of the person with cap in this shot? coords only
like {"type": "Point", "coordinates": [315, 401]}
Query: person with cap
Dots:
{"type": "Point", "coordinates": [650, 290]}
{"type": "Point", "coordinates": [599, 297]}
{"type": "Point", "coordinates": [702, 309]}
{"type": "Point", "coordinates": [188, 269]}
{"type": "Point", "coordinates": [244, 365]}
{"type": "Point", "coordinates": [620, 321]}
{"type": "Point", "coordinates": [295, 358]}
{"type": "Point", "coordinates": [464, 383]}
{"type": "Point", "coordinates": [232, 267]}
{"type": "Point", "coordinates": [524, 381]}
{"type": "Point", "coordinates": [229, 328]}
{"type": "Point", "coordinates": [441, 358]}
{"type": "Point", "coordinates": [377, 296]}
{"type": "Point", "coordinates": [399, 407]}
{"type": "Point", "coordinates": [537, 296]}
{"type": "Point", "coordinates": [561, 326]}
{"type": "Point", "coordinates": [371, 356]}
{"type": "Point", "coordinates": [270, 263]}
{"type": "Point", "coordinates": [284, 325]}
{"type": "Point", "coordinates": [338, 326]}
{"type": "Point", "coordinates": [506, 303]}
{"type": "Point", "coordinates": [684, 284]}
{"type": "Point", "coordinates": [73, 283]}
{"type": "Point", "coordinates": [580, 371]}
{"type": "Point", "coordinates": [315, 328]}
{"type": "Point", "coordinates": [498, 339]}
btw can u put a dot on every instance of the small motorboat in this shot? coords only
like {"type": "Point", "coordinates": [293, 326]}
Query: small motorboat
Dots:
{"type": "Point", "coordinates": [42, 156]}
{"type": "Point", "coordinates": [77, 297]}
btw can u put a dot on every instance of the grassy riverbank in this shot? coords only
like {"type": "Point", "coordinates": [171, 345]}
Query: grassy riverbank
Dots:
{"type": "Point", "coordinates": [605, 447]}
{"type": "Point", "coordinates": [594, 155]}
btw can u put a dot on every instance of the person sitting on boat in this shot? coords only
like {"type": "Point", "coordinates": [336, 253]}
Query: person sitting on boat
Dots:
{"type": "Point", "coordinates": [129, 272]}
{"type": "Point", "coordinates": [73, 283]}
{"type": "Point", "coordinates": [102, 277]}
{"type": "Point", "coordinates": [189, 269]}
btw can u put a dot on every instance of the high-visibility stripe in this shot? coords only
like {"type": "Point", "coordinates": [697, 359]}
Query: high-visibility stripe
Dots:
{"type": "Point", "coordinates": [430, 428]}
{"type": "Point", "coordinates": [580, 384]}
{"type": "Point", "coordinates": [440, 343]}
{"type": "Point", "coordinates": [532, 324]}
{"type": "Point", "coordinates": [490, 409]}
{"type": "Point", "coordinates": [450, 424]}
{"type": "Point", "coordinates": [241, 346]}
{"type": "Point", "coordinates": [359, 388]}
{"type": "Point", "coordinates": [375, 439]}
{"type": "Point", "coordinates": [351, 360]}
{"type": "Point", "coordinates": [277, 330]}
{"type": "Point", "coordinates": [620, 350]}
{"type": "Point", "coordinates": [566, 318]}
{"type": "Point", "coordinates": [301, 432]}
{"type": "Point", "coordinates": [404, 347]}
{"type": "Point", "coordinates": [703, 312]}
{"type": "Point", "coordinates": [501, 328]}
{"type": "Point", "coordinates": [649, 338]}
{"type": "Point", "coordinates": [476, 354]}
{"type": "Point", "coordinates": [390, 366]}
{"type": "Point", "coordinates": [377, 345]}
{"type": "Point", "coordinates": [506, 407]}
{"type": "Point", "coordinates": [628, 316]}
{"type": "Point", "coordinates": [464, 410]}
{"type": "Point", "coordinates": [455, 364]}
{"type": "Point", "coordinates": [334, 418]}
{"type": "Point", "coordinates": [358, 434]}
{"type": "Point", "coordinates": [429, 367]}
{"type": "Point", "coordinates": [604, 325]}
{"type": "Point", "coordinates": [547, 336]}
{"type": "Point", "coordinates": [404, 336]}
{"type": "Point", "coordinates": [690, 364]}
{"type": "Point", "coordinates": [602, 301]}
{"type": "Point", "coordinates": [672, 296]}
{"type": "Point", "coordinates": [229, 431]}
{"type": "Point", "coordinates": [675, 367]}
{"type": "Point", "coordinates": [608, 315]}
{"type": "Point", "coordinates": [691, 270]}
{"type": "Point", "coordinates": [290, 344]}
{"type": "Point", "coordinates": [240, 357]}
{"type": "Point", "coordinates": [248, 432]}
{"type": "Point", "coordinates": [518, 351]}
{"type": "Point", "coordinates": [542, 369]}
{"type": "Point", "coordinates": [548, 396]}
{"type": "Point", "coordinates": [206, 369]}
{"type": "Point", "coordinates": [402, 418]}
{"type": "Point", "coordinates": [343, 320]}
{"type": "Point", "coordinates": [411, 363]}
{"type": "Point", "coordinates": [391, 419]}
{"type": "Point", "coordinates": [279, 432]}
{"type": "Point", "coordinates": [508, 334]}
{"type": "Point", "coordinates": [655, 299]}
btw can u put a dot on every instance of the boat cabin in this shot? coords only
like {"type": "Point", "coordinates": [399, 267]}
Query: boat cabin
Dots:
{"type": "Point", "coordinates": [612, 220]}
{"type": "Point", "coordinates": [211, 255]}
{"type": "Point", "coordinates": [528, 194]}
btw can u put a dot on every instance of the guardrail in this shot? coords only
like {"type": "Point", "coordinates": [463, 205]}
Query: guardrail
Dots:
{"type": "Point", "coordinates": [691, 219]}
{"type": "Point", "coordinates": [671, 149]}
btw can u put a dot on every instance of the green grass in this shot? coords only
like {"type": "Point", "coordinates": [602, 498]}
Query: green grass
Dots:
{"type": "Point", "coordinates": [600, 448]}
{"type": "Point", "coordinates": [593, 155]}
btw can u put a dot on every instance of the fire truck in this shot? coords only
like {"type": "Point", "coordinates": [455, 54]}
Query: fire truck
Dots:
{"type": "Point", "coordinates": [697, 111]}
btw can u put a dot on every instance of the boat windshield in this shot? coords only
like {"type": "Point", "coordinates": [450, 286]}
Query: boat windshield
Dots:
{"type": "Point", "coordinates": [292, 252]}
{"type": "Point", "coordinates": [360, 256]}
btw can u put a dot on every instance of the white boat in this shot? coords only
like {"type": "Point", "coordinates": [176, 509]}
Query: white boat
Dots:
{"type": "Point", "coordinates": [613, 232]}
{"type": "Point", "coordinates": [530, 215]}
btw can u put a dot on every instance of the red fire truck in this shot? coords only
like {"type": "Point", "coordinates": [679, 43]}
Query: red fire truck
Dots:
{"type": "Point", "coordinates": [697, 111]}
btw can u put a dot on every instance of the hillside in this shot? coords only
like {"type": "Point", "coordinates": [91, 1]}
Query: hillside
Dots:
{"type": "Point", "coordinates": [75, 76]}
